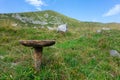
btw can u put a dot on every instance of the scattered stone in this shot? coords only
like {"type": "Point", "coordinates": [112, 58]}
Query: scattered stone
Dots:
{"type": "Point", "coordinates": [114, 53]}
{"type": "Point", "coordinates": [103, 29]}
{"type": "Point", "coordinates": [106, 29]}
{"type": "Point", "coordinates": [14, 64]}
{"type": "Point", "coordinates": [35, 27]}
{"type": "Point", "coordinates": [15, 24]}
{"type": "Point", "coordinates": [99, 31]}
{"type": "Point", "coordinates": [42, 26]}
{"type": "Point", "coordinates": [2, 57]}
{"type": "Point", "coordinates": [50, 28]}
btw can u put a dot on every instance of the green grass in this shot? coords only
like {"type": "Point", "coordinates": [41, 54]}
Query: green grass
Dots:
{"type": "Point", "coordinates": [80, 54]}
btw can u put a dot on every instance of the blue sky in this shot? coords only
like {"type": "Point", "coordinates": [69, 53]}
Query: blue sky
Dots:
{"type": "Point", "coordinates": [84, 10]}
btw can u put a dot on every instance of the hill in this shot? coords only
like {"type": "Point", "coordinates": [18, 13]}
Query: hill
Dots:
{"type": "Point", "coordinates": [41, 18]}
{"type": "Point", "coordinates": [44, 19]}
{"type": "Point", "coordinates": [82, 53]}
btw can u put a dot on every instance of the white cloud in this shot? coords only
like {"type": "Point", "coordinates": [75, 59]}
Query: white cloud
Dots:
{"type": "Point", "coordinates": [36, 3]}
{"type": "Point", "coordinates": [113, 11]}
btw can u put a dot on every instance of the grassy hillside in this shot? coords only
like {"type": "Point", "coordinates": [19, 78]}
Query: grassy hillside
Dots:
{"type": "Point", "coordinates": [41, 18]}
{"type": "Point", "coordinates": [79, 54]}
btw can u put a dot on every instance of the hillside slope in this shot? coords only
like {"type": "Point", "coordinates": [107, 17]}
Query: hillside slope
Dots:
{"type": "Point", "coordinates": [46, 18]}
{"type": "Point", "coordinates": [82, 53]}
{"type": "Point", "coordinates": [76, 55]}
{"type": "Point", "coordinates": [42, 18]}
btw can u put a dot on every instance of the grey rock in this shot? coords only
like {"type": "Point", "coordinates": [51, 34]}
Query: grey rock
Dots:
{"type": "Point", "coordinates": [106, 29]}
{"type": "Point", "coordinates": [99, 31]}
{"type": "Point", "coordinates": [62, 28]}
{"type": "Point", "coordinates": [114, 53]}
{"type": "Point", "coordinates": [51, 28]}
{"type": "Point", "coordinates": [14, 24]}
{"type": "Point", "coordinates": [2, 57]}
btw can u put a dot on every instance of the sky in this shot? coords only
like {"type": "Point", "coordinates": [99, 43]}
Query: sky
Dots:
{"type": "Point", "coordinates": [104, 11]}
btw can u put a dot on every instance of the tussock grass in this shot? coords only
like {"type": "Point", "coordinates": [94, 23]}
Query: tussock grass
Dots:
{"type": "Point", "coordinates": [79, 54]}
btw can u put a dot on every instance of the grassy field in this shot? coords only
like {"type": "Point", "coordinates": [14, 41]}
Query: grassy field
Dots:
{"type": "Point", "coordinates": [79, 54]}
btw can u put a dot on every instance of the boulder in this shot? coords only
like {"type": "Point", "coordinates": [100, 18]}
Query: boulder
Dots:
{"type": "Point", "coordinates": [114, 53]}
{"type": "Point", "coordinates": [62, 28]}
{"type": "Point", "coordinates": [99, 31]}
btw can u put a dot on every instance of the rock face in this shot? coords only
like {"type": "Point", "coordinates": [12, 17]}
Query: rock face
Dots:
{"type": "Point", "coordinates": [114, 53]}
{"type": "Point", "coordinates": [62, 28]}
{"type": "Point", "coordinates": [28, 19]}
{"type": "Point", "coordinates": [46, 19]}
